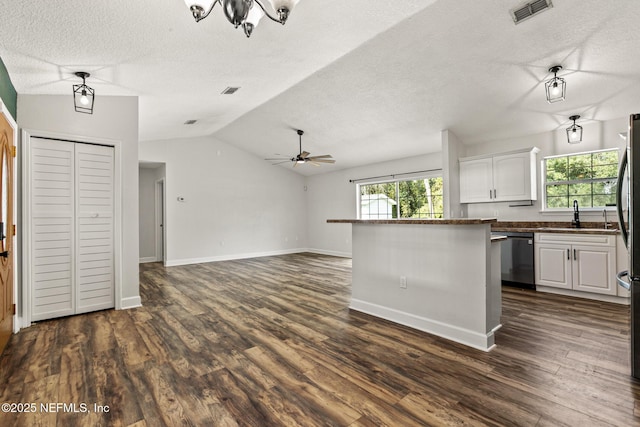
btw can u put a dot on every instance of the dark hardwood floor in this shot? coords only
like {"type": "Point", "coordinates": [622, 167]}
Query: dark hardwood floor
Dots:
{"type": "Point", "coordinates": [271, 342]}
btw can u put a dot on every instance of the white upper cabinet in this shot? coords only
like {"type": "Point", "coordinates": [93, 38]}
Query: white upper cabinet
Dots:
{"type": "Point", "coordinates": [476, 180]}
{"type": "Point", "coordinates": [502, 177]}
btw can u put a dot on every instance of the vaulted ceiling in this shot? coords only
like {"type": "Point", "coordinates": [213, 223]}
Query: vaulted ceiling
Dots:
{"type": "Point", "coordinates": [367, 81]}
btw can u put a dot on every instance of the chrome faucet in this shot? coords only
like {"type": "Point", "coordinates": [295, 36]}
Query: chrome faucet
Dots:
{"type": "Point", "coordinates": [576, 215]}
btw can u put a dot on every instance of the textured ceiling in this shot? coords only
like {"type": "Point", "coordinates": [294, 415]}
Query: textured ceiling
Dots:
{"type": "Point", "coordinates": [367, 81]}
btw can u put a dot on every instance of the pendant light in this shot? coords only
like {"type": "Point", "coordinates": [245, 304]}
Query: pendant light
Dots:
{"type": "Point", "coordinates": [556, 87]}
{"type": "Point", "coordinates": [83, 95]}
{"type": "Point", "coordinates": [574, 132]}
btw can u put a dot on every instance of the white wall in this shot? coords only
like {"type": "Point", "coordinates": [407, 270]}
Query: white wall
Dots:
{"type": "Point", "coordinates": [235, 204]}
{"type": "Point", "coordinates": [114, 118]}
{"type": "Point", "coordinates": [596, 136]}
{"type": "Point", "coordinates": [332, 196]}
{"type": "Point", "coordinates": [147, 209]}
{"type": "Point", "coordinates": [452, 150]}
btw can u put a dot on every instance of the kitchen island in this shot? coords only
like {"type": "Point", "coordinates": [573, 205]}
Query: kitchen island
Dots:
{"type": "Point", "coordinates": [438, 276]}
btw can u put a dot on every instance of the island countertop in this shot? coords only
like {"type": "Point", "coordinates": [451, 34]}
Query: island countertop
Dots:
{"type": "Point", "coordinates": [456, 221]}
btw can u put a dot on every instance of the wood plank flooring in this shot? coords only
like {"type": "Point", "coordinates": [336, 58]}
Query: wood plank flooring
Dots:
{"type": "Point", "coordinates": [271, 342]}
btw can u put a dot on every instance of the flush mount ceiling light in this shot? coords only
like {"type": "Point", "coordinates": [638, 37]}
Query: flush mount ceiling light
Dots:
{"type": "Point", "coordinates": [247, 13]}
{"type": "Point", "coordinates": [574, 132]}
{"type": "Point", "coordinates": [83, 95]}
{"type": "Point", "coordinates": [556, 87]}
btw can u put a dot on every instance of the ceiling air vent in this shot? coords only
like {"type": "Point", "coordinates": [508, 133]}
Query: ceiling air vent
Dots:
{"type": "Point", "coordinates": [230, 90]}
{"type": "Point", "coordinates": [190, 122]}
{"type": "Point", "coordinates": [530, 9]}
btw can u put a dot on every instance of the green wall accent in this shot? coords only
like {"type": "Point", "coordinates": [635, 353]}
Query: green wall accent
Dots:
{"type": "Point", "coordinates": [7, 91]}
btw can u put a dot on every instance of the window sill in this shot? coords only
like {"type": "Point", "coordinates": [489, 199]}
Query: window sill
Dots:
{"type": "Point", "coordinates": [586, 211]}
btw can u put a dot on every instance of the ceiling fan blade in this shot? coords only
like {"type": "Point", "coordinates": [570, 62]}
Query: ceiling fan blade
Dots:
{"type": "Point", "coordinates": [314, 163]}
{"type": "Point", "coordinates": [304, 154]}
{"type": "Point", "coordinates": [278, 158]}
{"type": "Point", "coordinates": [322, 160]}
{"type": "Point", "coordinates": [281, 162]}
{"type": "Point", "coordinates": [324, 156]}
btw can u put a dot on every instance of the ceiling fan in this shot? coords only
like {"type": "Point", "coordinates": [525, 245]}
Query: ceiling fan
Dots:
{"type": "Point", "coordinates": [304, 156]}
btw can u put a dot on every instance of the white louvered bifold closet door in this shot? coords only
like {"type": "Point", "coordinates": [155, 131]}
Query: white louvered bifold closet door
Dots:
{"type": "Point", "coordinates": [72, 228]}
{"type": "Point", "coordinates": [94, 228]}
{"type": "Point", "coordinates": [52, 228]}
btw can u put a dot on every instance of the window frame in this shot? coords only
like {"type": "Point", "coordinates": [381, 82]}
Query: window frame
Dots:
{"type": "Point", "coordinates": [396, 181]}
{"type": "Point", "coordinates": [544, 182]}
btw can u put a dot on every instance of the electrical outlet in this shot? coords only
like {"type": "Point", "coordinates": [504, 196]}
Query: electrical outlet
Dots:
{"type": "Point", "coordinates": [403, 282]}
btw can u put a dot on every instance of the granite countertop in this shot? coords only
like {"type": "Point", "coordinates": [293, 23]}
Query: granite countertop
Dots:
{"type": "Point", "coordinates": [554, 227]}
{"type": "Point", "coordinates": [455, 221]}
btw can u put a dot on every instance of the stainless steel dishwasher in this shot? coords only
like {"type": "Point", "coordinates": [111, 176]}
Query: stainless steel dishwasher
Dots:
{"type": "Point", "coordinates": [517, 259]}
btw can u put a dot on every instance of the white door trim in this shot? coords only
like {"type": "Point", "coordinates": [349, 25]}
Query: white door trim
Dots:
{"type": "Point", "coordinates": [16, 241]}
{"type": "Point", "coordinates": [25, 177]}
{"type": "Point", "coordinates": [160, 223]}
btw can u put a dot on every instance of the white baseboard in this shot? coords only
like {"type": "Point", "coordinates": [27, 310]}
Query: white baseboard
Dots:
{"type": "Point", "coordinates": [330, 253]}
{"type": "Point", "coordinates": [587, 295]}
{"type": "Point", "coordinates": [148, 259]}
{"type": "Point", "coordinates": [484, 342]}
{"type": "Point", "coordinates": [131, 302]}
{"type": "Point", "coordinates": [18, 324]}
{"type": "Point", "coordinates": [188, 261]}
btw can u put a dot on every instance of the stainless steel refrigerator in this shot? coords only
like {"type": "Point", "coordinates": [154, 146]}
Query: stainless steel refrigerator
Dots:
{"type": "Point", "coordinates": [628, 204]}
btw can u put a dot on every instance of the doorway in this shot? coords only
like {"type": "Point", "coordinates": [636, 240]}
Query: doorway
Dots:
{"type": "Point", "coordinates": [152, 212]}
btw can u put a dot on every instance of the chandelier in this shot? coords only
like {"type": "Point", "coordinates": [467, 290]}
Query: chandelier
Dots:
{"type": "Point", "coordinates": [247, 13]}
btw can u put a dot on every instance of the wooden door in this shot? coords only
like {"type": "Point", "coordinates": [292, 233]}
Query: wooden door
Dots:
{"type": "Point", "coordinates": [6, 231]}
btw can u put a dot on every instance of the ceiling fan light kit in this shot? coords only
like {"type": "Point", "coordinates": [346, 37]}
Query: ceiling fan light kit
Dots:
{"type": "Point", "coordinates": [304, 156]}
{"type": "Point", "coordinates": [245, 13]}
{"type": "Point", "coordinates": [83, 95]}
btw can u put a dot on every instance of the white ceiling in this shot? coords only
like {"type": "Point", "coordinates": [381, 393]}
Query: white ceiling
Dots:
{"type": "Point", "coordinates": [367, 81]}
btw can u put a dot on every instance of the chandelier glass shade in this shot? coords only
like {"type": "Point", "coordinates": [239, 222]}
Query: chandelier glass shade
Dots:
{"type": "Point", "coordinates": [574, 132]}
{"type": "Point", "coordinates": [245, 13]}
{"type": "Point", "coordinates": [556, 87]}
{"type": "Point", "coordinates": [83, 95]}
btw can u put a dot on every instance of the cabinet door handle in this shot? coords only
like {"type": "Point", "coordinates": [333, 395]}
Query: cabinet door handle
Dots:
{"type": "Point", "coordinates": [574, 255]}
{"type": "Point", "coordinates": [568, 254]}
{"type": "Point", "coordinates": [490, 196]}
{"type": "Point", "coordinates": [495, 196]}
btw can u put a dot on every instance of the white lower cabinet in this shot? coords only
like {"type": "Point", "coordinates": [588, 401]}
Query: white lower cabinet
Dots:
{"type": "Point", "coordinates": [580, 262]}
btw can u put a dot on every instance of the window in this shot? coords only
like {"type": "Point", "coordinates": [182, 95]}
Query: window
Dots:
{"type": "Point", "coordinates": [590, 178]}
{"type": "Point", "coordinates": [415, 198]}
